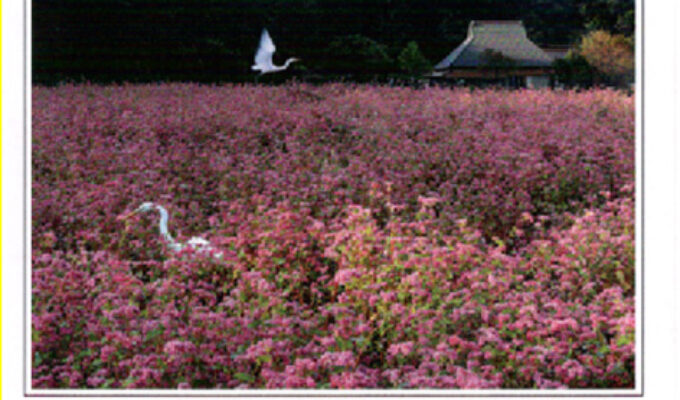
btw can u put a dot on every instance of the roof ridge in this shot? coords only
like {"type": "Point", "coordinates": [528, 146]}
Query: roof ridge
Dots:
{"type": "Point", "coordinates": [456, 52]}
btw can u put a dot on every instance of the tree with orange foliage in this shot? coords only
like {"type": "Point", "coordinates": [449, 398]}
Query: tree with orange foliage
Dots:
{"type": "Point", "coordinates": [611, 55]}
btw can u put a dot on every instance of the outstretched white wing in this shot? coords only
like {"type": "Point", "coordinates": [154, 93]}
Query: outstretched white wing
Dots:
{"type": "Point", "coordinates": [263, 56]}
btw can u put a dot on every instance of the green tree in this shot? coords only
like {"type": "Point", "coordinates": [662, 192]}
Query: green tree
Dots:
{"type": "Point", "coordinates": [616, 16]}
{"type": "Point", "coordinates": [359, 56]}
{"type": "Point", "coordinates": [412, 61]}
{"type": "Point", "coordinates": [574, 70]}
{"type": "Point", "coordinates": [497, 61]}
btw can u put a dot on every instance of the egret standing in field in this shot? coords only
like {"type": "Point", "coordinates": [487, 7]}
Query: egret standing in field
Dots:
{"type": "Point", "coordinates": [196, 243]}
{"type": "Point", "coordinates": [264, 54]}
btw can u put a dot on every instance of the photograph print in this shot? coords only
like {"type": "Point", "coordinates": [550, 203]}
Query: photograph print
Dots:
{"type": "Point", "coordinates": [393, 195]}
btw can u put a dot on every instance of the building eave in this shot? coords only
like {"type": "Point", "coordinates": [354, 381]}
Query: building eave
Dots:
{"type": "Point", "coordinates": [493, 73]}
{"type": "Point", "coordinates": [451, 58]}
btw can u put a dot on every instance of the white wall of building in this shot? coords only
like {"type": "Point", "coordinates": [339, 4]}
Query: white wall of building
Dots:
{"type": "Point", "coordinates": [537, 82]}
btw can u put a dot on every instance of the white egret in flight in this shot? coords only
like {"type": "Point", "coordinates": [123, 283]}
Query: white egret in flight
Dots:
{"type": "Point", "coordinates": [263, 56]}
{"type": "Point", "coordinates": [196, 243]}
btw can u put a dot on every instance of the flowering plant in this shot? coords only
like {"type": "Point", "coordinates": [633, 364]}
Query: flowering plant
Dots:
{"type": "Point", "coordinates": [371, 237]}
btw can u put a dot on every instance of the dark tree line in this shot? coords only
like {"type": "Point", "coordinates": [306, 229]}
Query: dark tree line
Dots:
{"type": "Point", "coordinates": [214, 40]}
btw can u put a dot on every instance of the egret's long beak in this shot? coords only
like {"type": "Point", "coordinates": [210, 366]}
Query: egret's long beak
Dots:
{"type": "Point", "coordinates": [123, 217]}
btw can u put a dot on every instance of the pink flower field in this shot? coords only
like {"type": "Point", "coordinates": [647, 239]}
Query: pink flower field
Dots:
{"type": "Point", "coordinates": [371, 237]}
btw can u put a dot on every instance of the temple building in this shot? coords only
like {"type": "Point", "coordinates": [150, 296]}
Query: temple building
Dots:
{"type": "Point", "coordinates": [497, 52]}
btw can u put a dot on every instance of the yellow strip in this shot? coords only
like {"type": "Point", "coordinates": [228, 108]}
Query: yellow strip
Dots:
{"type": "Point", "coordinates": [0, 200]}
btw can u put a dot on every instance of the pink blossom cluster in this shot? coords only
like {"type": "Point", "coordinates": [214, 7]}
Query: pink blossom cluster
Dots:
{"type": "Point", "coordinates": [372, 237]}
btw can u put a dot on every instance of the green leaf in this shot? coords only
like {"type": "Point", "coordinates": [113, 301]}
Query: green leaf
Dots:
{"type": "Point", "coordinates": [108, 383]}
{"type": "Point", "coordinates": [279, 261]}
{"type": "Point", "coordinates": [155, 333]}
{"type": "Point", "coordinates": [622, 279]}
{"type": "Point", "coordinates": [128, 381]}
{"type": "Point", "coordinates": [85, 353]}
{"type": "Point", "coordinates": [243, 377]}
{"type": "Point", "coordinates": [265, 358]}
